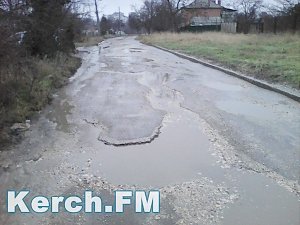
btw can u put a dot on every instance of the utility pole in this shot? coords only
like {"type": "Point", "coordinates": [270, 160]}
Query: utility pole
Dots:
{"type": "Point", "coordinates": [119, 21]}
{"type": "Point", "coordinates": [98, 19]}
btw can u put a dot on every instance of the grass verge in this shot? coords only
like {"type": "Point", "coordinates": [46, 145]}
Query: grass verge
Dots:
{"type": "Point", "coordinates": [274, 58]}
{"type": "Point", "coordinates": [27, 86]}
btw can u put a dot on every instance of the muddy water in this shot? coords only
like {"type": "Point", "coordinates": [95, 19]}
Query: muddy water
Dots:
{"type": "Point", "coordinates": [261, 201]}
{"type": "Point", "coordinates": [162, 162]}
{"type": "Point", "coordinates": [183, 151]}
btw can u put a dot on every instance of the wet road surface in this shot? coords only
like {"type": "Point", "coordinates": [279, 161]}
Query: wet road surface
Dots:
{"type": "Point", "coordinates": [220, 150]}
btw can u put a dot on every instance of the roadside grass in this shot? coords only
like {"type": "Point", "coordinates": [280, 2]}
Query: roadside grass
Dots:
{"type": "Point", "coordinates": [89, 41]}
{"type": "Point", "coordinates": [275, 58]}
{"type": "Point", "coordinates": [27, 86]}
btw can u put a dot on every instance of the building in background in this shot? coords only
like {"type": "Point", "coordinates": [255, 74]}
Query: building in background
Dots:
{"type": "Point", "coordinates": [208, 15]}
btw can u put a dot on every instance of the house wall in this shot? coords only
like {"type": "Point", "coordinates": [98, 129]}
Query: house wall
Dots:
{"type": "Point", "coordinates": [188, 14]}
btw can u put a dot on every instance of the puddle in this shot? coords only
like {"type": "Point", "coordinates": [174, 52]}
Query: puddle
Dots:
{"type": "Point", "coordinates": [261, 201]}
{"type": "Point", "coordinates": [179, 153]}
{"type": "Point", "coordinates": [182, 153]}
{"type": "Point", "coordinates": [125, 64]}
{"type": "Point", "coordinates": [148, 60]}
{"type": "Point", "coordinates": [103, 65]}
{"type": "Point", "coordinates": [246, 109]}
{"type": "Point", "coordinates": [136, 48]}
{"type": "Point", "coordinates": [175, 161]}
{"type": "Point", "coordinates": [59, 114]}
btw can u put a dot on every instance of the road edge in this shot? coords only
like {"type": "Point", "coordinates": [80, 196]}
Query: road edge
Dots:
{"type": "Point", "coordinates": [259, 83]}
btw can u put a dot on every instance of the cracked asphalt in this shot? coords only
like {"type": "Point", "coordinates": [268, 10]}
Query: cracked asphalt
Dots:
{"type": "Point", "coordinates": [220, 150]}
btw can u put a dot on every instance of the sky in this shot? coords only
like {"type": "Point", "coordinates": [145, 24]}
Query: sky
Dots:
{"type": "Point", "coordinates": [110, 6]}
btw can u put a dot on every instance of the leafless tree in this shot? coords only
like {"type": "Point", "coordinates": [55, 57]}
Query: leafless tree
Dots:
{"type": "Point", "coordinates": [249, 7]}
{"type": "Point", "coordinates": [248, 12]}
{"type": "Point", "coordinates": [174, 7]}
{"type": "Point", "coordinates": [283, 6]}
{"type": "Point", "coordinates": [147, 14]}
{"type": "Point", "coordinates": [284, 15]}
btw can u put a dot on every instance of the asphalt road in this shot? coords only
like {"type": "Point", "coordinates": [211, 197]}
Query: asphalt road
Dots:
{"type": "Point", "coordinates": [220, 150]}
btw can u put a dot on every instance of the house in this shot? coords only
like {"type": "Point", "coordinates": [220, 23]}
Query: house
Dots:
{"type": "Point", "coordinates": [207, 15]}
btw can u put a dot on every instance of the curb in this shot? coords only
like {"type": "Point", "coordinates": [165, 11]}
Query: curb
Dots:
{"type": "Point", "coordinates": [251, 80]}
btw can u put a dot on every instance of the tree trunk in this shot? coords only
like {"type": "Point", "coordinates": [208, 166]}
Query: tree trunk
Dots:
{"type": "Point", "coordinates": [295, 23]}
{"type": "Point", "coordinates": [275, 24]}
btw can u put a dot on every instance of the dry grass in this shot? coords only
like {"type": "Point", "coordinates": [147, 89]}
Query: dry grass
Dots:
{"type": "Point", "coordinates": [274, 58]}
{"type": "Point", "coordinates": [218, 37]}
{"type": "Point", "coordinates": [196, 38]}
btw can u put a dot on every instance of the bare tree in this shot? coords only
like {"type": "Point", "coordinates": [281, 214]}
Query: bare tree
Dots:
{"type": "Point", "coordinates": [248, 12]}
{"type": "Point", "coordinates": [283, 6]}
{"type": "Point", "coordinates": [285, 14]}
{"type": "Point", "coordinates": [147, 14]}
{"type": "Point", "coordinates": [291, 9]}
{"type": "Point", "coordinates": [174, 7]}
{"type": "Point", "coordinates": [135, 22]}
{"type": "Point", "coordinates": [249, 7]}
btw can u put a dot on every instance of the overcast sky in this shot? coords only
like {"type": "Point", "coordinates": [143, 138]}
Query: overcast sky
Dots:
{"type": "Point", "coordinates": [111, 6]}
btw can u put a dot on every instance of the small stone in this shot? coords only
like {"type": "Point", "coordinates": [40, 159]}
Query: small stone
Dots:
{"type": "Point", "coordinates": [20, 127]}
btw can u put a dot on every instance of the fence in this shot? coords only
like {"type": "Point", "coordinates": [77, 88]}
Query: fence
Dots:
{"type": "Point", "coordinates": [228, 27]}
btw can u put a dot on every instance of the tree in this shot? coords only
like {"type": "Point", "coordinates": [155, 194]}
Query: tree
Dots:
{"type": "Point", "coordinates": [162, 20]}
{"type": "Point", "coordinates": [147, 14]}
{"type": "Point", "coordinates": [159, 15]}
{"type": "Point", "coordinates": [248, 12]}
{"type": "Point", "coordinates": [285, 15]}
{"type": "Point", "coordinates": [50, 27]}
{"type": "Point", "coordinates": [294, 12]}
{"type": "Point", "coordinates": [105, 25]}
{"type": "Point", "coordinates": [135, 22]}
{"type": "Point", "coordinates": [282, 7]}
{"type": "Point", "coordinates": [174, 7]}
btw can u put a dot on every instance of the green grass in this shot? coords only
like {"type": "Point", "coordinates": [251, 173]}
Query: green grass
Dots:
{"type": "Point", "coordinates": [275, 58]}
